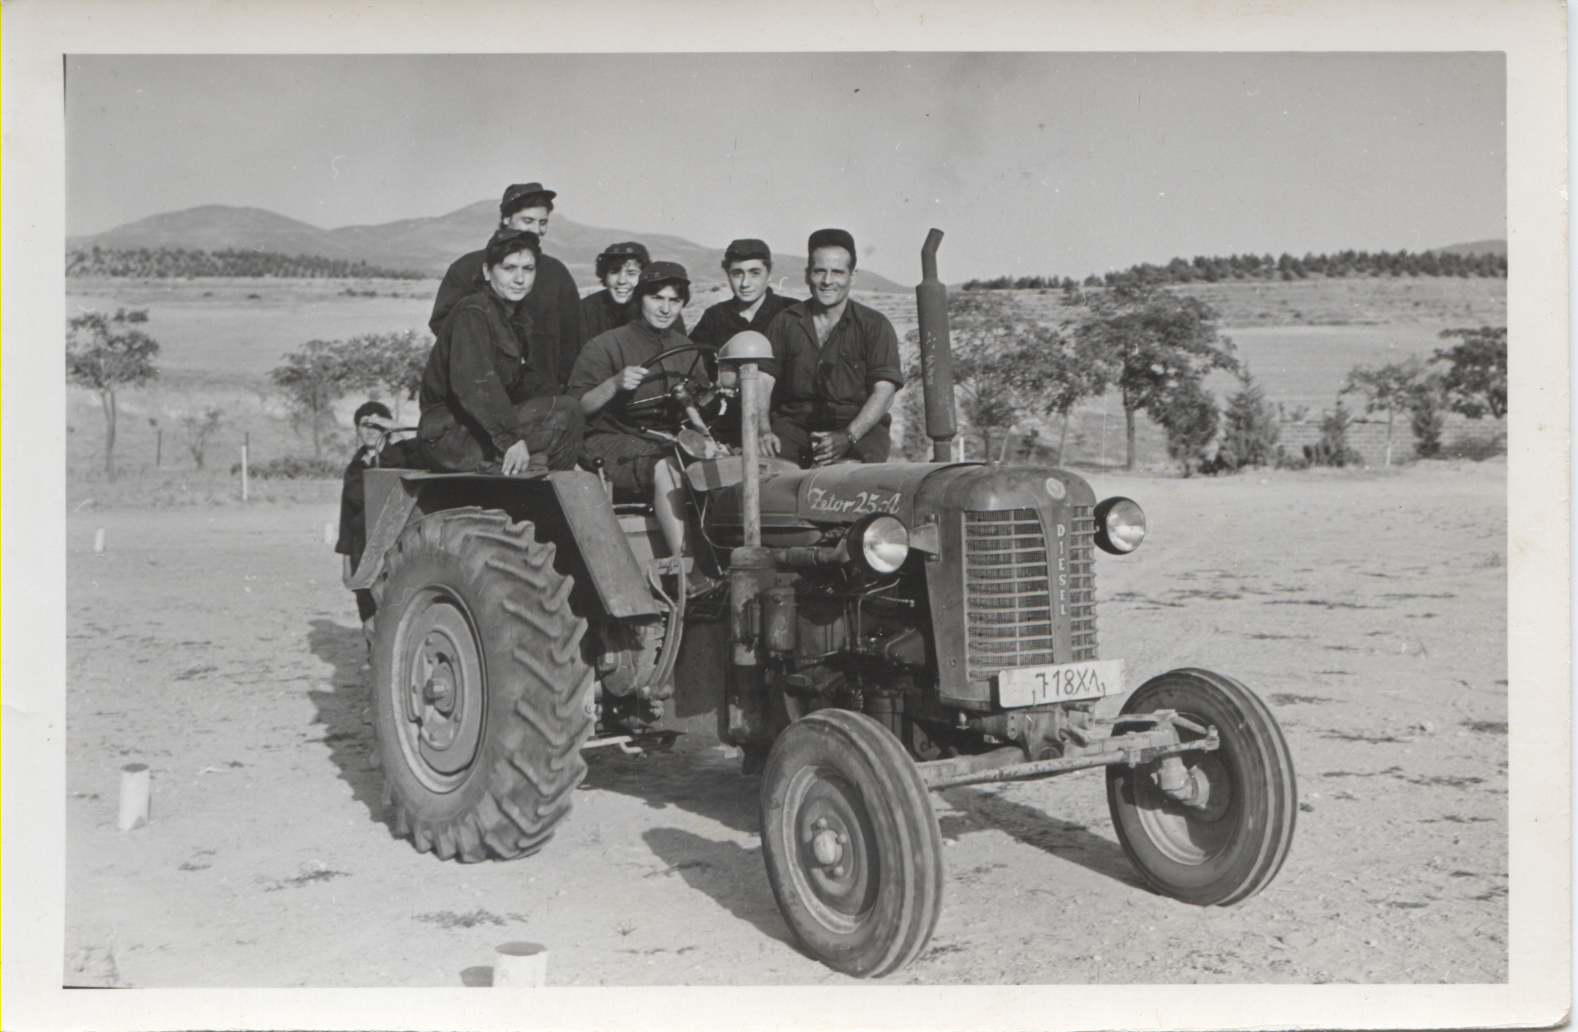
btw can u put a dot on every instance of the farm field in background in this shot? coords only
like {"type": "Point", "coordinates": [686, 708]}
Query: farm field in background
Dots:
{"type": "Point", "coordinates": [220, 337]}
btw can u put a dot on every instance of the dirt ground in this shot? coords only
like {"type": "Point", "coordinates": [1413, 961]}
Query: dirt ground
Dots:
{"type": "Point", "coordinates": [217, 645]}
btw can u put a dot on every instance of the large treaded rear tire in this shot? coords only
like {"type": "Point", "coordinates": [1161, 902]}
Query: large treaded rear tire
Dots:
{"type": "Point", "coordinates": [481, 699]}
{"type": "Point", "coordinates": [1230, 848]}
{"type": "Point", "coordinates": [851, 843]}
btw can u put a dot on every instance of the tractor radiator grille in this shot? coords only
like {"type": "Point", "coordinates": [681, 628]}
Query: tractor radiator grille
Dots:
{"type": "Point", "coordinates": [1011, 591]}
{"type": "Point", "coordinates": [1082, 583]}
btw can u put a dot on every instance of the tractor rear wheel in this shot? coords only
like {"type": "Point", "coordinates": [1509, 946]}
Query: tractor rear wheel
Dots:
{"type": "Point", "coordinates": [851, 843]}
{"type": "Point", "coordinates": [1232, 841]}
{"type": "Point", "coordinates": [481, 699]}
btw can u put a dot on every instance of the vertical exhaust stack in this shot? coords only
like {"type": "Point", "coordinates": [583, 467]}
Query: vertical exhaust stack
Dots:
{"type": "Point", "coordinates": [931, 307]}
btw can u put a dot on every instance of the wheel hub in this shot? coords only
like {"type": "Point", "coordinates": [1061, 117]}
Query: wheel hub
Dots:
{"type": "Point", "coordinates": [827, 845]}
{"type": "Point", "coordinates": [443, 688]}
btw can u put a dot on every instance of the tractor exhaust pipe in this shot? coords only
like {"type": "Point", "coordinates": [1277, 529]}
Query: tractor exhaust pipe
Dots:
{"type": "Point", "coordinates": [931, 306]}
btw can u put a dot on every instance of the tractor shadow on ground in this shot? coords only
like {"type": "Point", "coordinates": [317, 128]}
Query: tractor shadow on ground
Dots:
{"type": "Point", "coordinates": [732, 876]}
{"type": "Point", "coordinates": [695, 780]}
{"type": "Point", "coordinates": [977, 810]}
{"type": "Point", "coordinates": [343, 712]}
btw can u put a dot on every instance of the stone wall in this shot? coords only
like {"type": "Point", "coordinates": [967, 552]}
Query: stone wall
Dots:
{"type": "Point", "coordinates": [1461, 437]}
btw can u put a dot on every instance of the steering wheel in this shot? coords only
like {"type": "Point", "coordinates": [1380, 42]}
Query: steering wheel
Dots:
{"type": "Point", "coordinates": [654, 370]}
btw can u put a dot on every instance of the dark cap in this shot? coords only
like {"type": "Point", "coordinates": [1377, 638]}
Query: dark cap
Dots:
{"type": "Point", "coordinates": [663, 272]}
{"type": "Point", "coordinates": [517, 197]}
{"type": "Point", "coordinates": [831, 238]}
{"type": "Point", "coordinates": [745, 250]}
{"type": "Point", "coordinates": [628, 249]}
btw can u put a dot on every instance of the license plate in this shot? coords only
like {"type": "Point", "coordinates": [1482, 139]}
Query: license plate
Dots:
{"type": "Point", "coordinates": [1060, 682]}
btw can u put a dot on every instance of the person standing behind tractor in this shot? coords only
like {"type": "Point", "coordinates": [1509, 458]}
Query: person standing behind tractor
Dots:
{"type": "Point", "coordinates": [373, 421]}
{"type": "Point", "coordinates": [486, 405]}
{"type": "Point", "coordinates": [835, 366]}
{"type": "Point", "coordinates": [618, 270]}
{"type": "Point", "coordinates": [611, 377]}
{"type": "Point", "coordinates": [553, 309]}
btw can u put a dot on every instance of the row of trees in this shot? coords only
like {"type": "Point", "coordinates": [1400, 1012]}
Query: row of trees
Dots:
{"type": "Point", "coordinates": [180, 263]}
{"type": "Point", "coordinates": [1469, 378]}
{"type": "Point", "coordinates": [107, 354]}
{"type": "Point", "coordinates": [1156, 349]}
{"type": "Point", "coordinates": [1202, 269]}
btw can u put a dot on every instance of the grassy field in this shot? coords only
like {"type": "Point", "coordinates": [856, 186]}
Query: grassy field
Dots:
{"type": "Point", "coordinates": [219, 339]}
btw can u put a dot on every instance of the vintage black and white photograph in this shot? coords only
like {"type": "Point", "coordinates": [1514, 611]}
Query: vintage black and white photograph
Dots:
{"type": "Point", "coordinates": [805, 517]}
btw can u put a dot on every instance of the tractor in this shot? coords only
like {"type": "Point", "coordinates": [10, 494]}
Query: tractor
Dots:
{"type": "Point", "coordinates": [876, 631]}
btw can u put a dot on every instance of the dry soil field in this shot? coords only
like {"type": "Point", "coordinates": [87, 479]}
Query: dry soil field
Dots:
{"type": "Point", "coordinates": [216, 644]}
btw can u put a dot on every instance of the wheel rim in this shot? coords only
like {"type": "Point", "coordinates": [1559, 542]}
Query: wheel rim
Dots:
{"type": "Point", "coordinates": [440, 690]}
{"type": "Point", "coordinates": [1190, 835]}
{"type": "Point", "coordinates": [832, 858]}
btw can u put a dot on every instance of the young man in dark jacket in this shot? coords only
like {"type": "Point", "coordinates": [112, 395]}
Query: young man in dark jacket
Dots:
{"type": "Point", "coordinates": [552, 310]}
{"type": "Point", "coordinates": [749, 266]}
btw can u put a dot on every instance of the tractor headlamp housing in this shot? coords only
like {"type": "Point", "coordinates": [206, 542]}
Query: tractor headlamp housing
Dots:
{"type": "Point", "coordinates": [878, 543]}
{"type": "Point", "coordinates": [1120, 526]}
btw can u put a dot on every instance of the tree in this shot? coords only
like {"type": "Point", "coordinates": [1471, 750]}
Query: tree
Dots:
{"type": "Point", "coordinates": [199, 427]}
{"type": "Point", "coordinates": [388, 362]}
{"type": "Point", "coordinates": [1391, 389]}
{"type": "Point", "coordinates": [1249, 437]}
{"type": "Point", "coordinates": [1476, 380]}
{"type": "Point", "coordinates": [1426, 415]}
{"type": "Point", "coordinates": [1333, 449]}
{"type": "Point", "coordinates": [1189, 416]}
{"type": "Point", "coordinates": [1006, 364]}
{"type": "Point", "coordinates": [313, 379]}
{"type": "Point", "coordinates": [105, 354]}
{"type": "Point", "coordinates": [1158, 343]}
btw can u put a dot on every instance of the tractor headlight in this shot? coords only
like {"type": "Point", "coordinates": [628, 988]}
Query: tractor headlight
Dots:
{"type": "Point", "coordinates": [1120, 526]}
{"type": "Point", "coordinates": [879, 542]}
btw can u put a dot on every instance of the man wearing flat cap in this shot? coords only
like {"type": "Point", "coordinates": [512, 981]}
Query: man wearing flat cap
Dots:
{"type": "Point", "coordinates": [835, 366]}
{"type": "Point", "coordinates": [551, 313]}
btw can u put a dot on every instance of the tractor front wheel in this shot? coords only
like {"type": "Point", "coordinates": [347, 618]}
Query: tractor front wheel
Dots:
{"type": "Point", "coordinates": [851, 844]}
{"type": "Point", "coordinates": [1230, 840]}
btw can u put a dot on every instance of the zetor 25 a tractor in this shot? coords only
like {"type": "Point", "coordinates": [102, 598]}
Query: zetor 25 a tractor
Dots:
{"type": "Point", "coordinates": [885, 630]}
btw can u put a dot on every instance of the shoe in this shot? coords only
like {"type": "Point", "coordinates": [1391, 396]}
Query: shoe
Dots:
{"type": "Point", "coordinates": [699, 585]}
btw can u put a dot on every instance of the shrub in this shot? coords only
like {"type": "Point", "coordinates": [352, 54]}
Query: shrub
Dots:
{"type": "Point", "coordinates": [1250, 431]}
{"type": "Point", "coordinates": [1333, 449]}
{"type": "Point", "coordinates": [293, 467]}
{"type": "Point", "coordinates": [1189, 415]}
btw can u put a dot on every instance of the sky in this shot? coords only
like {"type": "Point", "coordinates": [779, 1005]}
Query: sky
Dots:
{"type": "Point", "coordinates": [1032, 163]}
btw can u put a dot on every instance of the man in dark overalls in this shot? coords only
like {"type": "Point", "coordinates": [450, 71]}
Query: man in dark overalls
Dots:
{"type": "Point", "coordinates": [835, 366]}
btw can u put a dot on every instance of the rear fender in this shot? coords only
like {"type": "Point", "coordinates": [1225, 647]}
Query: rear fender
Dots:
{"type": "Point", "coordinates": [569, 508]}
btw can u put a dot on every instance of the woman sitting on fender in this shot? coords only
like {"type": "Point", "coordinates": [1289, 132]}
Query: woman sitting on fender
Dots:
{"type": "Point", "coordinates": [485, 408]}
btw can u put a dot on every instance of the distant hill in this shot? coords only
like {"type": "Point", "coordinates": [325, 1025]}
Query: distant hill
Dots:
{"type": "Point", "coordinates": [1496, 247]}
{"type": "Point", "coordinates": [425, 245]}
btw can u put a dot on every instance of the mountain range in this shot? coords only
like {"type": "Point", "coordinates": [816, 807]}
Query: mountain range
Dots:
{"type": "Point", "coordinates": [425, 245]}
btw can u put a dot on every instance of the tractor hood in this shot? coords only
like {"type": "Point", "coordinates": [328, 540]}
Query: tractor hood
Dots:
{"type": "Point", "coordinates": [845, 492]}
